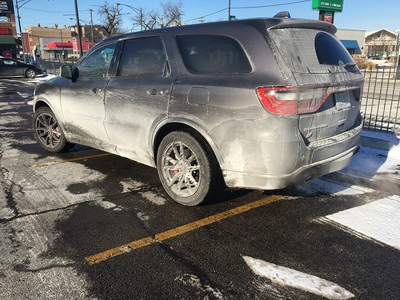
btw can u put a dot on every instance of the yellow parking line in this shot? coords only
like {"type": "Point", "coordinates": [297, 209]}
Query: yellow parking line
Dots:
{"type": "Point", "coordinates": [99, 257]}
{"type": "Point", "coordinates": [71, 159]}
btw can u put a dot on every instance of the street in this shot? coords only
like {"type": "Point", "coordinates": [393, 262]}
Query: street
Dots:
{"type": "Point", "coordinates": [86, 224]}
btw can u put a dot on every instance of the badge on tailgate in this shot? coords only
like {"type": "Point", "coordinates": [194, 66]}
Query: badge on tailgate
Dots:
{"type": "Point", "coordinates": [342, 100]}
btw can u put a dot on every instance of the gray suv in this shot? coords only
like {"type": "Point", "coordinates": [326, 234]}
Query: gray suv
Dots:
{"type": "Point", "coordinates": [259, 104]}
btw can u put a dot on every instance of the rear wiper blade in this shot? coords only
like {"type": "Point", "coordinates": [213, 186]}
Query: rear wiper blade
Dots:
{"type": "Point", "coordinates": [349, 65]}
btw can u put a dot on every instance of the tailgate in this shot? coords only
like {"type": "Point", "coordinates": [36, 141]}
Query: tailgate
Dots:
{"type": "Point", "coordinates": [321, 68]}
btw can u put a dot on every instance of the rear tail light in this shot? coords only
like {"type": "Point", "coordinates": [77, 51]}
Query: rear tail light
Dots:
{"type": "Point", "coordinates": [293, 100]}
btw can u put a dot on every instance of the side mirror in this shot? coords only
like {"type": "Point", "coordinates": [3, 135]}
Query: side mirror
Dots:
{"type": "Point", "coordinates": [66, 71]}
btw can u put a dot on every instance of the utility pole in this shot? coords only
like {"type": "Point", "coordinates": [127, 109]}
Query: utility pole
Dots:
{"type": "Point", "coordinates": [139, 11]}
{"type": "Point", "coordinates": [18, 5]}
{"type": "Point", "coordinates": [229, 10]}
{"type": "Point", "coordinates": [79, 29]}
{"type": "Point", "coordinates": [91, 25]}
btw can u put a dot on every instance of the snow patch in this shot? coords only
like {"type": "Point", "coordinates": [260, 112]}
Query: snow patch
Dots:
{"type": "Point", "coordinates": [292, 278]}
{"type": "Point", "coordinates": [142, 216]}
{"type": "Point", "coordinates": [153, 198]}
{"type": "Point", "coordinates": [108, 205]}
{"type": "Point", "coordinates": [131, 185]}
{"type": "Point", "coordinates": [378, 219]}
{"type": "Point", "coordinates": [194, 281]}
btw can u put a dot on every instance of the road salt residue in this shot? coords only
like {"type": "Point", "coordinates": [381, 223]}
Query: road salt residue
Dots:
{"type": "Point", "coordinates": [292, 278]}
{"type": "Point", "coordinates": [153, 198]}
{"type": "Point", "coordinates": [330, 188]}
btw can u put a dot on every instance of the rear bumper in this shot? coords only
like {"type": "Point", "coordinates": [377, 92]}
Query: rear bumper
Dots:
{"type": "Point", "coordinates": [307, 172]}
{"type": "Point", "coordinates": [294, 162]}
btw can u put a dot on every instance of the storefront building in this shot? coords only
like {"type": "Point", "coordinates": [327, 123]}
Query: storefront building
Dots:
{"type": "Point", "coordinates": [8, 32]}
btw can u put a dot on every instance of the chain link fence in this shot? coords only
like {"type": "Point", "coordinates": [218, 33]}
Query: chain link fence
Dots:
{"type": "Point", "coordinates": [53, 66]}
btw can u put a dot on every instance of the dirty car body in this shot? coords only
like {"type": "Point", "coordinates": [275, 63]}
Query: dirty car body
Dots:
{"type": "Point", "coordinates": [260, 104]}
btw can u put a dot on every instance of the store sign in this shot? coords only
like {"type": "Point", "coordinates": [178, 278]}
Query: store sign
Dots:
{"type": "Point", "coordinates": [26, 43]}
{"type": "Point", "coordinates": [6, 7]}
{"type": "Point", "coordinates": [328, 17]}
{"type": "Point", "coordinates": [328, 5]}
{"type": "Point", "coordinates": [5, 31]}
{"type": "Point", "coordinates": [85, 44]}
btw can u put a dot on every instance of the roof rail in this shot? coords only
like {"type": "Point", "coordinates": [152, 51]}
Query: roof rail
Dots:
{"type": "Point", "coordinates": [282, 14]}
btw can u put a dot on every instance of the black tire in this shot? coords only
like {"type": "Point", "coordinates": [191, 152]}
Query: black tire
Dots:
{"type": "Point", "coordinates": [188, 170]}
{"type": "Point", "coordinates": [48, 132]}
{"type": "Point", "coordinates": [30, 73]}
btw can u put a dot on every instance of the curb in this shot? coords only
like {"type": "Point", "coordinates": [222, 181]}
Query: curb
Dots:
{"type": "Point", "coordinates": [376, 143]}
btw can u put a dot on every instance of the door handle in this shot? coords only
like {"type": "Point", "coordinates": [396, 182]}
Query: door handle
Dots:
{"type": "Point", "coordinates": [155, 92]}
{"type": "Point", "coordinates": [96, 90]}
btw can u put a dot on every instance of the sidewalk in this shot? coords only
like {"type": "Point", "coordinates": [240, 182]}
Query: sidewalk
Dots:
{"type": "Point", "coordinates": [379, 140]}
{"type": "Point", "coordinates": [379, 153]}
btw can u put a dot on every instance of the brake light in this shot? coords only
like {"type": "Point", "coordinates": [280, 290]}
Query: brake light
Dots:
{"type": "Point", "coordinates": [293, 100]}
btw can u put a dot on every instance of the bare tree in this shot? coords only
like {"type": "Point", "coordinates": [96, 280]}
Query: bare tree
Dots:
{"type": "Point", "coordinates": [111, 17]}
{"type": "Point", "coordinates": [170, 14]}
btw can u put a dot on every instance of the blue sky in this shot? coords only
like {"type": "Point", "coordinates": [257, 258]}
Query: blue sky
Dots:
{"type": "Point", "coordinates": [366, 15]}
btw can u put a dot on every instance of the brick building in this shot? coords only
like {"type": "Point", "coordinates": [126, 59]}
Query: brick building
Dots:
{"type": "Point", "coordinates": [8, 32]}
{"type": "Point", "coordinates": [61, 43]}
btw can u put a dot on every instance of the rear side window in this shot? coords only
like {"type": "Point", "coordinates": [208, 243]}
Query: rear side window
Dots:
{"type": "Point", "coordinates": [329, 51]}
{"type": "Point", "coordinates": [309, 50]}
{"type": "Point", "coordinates": [212, 54]}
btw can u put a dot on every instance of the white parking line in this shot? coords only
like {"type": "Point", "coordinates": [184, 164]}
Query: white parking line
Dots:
{"type": "Point", "coordinates": [378, 220]}
{"type": "Point", "coordinates": [292, 278]}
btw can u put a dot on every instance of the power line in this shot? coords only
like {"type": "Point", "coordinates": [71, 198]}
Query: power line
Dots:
{"type": "Point", "coordinates": [269, 5]}
{"type": "Point", "coordinates": [248, 7]}
{"type": "Point", "coordinates": [216, 12]}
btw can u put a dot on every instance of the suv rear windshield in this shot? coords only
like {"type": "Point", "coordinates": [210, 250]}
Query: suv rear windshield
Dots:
{"type": "Point", "coordinates": [212, 54]}
{"type": "Point", "coordinates": [310, 51]}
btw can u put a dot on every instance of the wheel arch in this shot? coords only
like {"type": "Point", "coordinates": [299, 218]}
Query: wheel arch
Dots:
{"type": "Point", "coordinates": [42, 102]}
{"type": "Point", "coordinates": [181, 125]}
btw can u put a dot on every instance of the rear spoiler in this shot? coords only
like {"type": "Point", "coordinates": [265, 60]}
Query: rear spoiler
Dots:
{"type": "Point", "coordinates": [282, 14]}
{"type": "Point", "coordinates": [287, 22]}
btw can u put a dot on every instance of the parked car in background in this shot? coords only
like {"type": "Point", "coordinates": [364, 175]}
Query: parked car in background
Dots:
{"type": "Point", "coordinates": [383, 63]}
{"type": "Point", "coordinates": [374, 58]}
{"type": "Point", "coordinates": [260, 104]}
{"type": "Point", "coordinates": [14, 68]}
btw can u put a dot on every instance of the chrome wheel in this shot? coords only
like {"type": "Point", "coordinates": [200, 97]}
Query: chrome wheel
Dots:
{"type": "Point", "coordinates": [187, 168]}
{"type": "Point", "coordinates": [181, 169]}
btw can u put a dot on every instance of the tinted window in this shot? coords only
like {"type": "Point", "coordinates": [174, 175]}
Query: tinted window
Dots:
{"type": "Point", "coordinates": [309, 50]}
{"type": "Point", "coordinates": [212, 54]}
{"type": "Point", "coordinates": [97, 63]}
{"type": "Point", "coordinates": [329, 51]}
{"type": "Point", "coordinates": [142, 57]}
{"type": "Point", "coordinates": [9, 62]}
